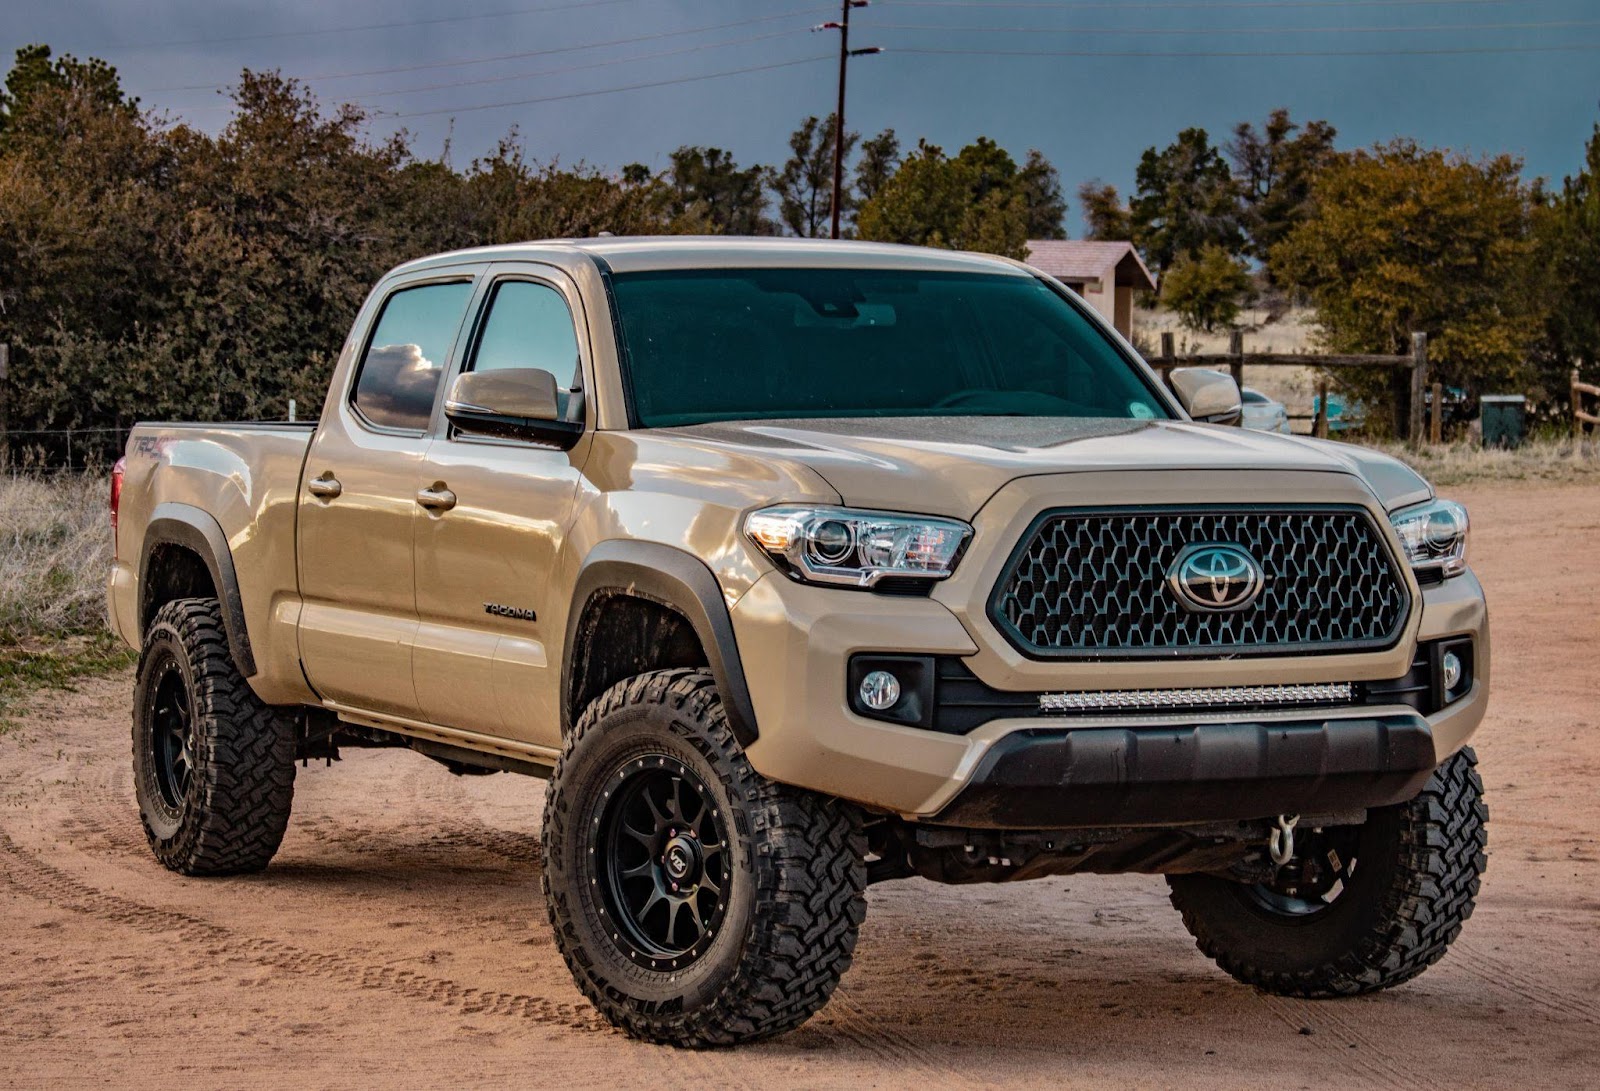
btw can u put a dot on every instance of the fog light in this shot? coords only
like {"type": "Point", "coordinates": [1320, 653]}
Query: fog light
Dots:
{"type": "Point", "coordinates": [1451, 665]}
{"type": "Point", "coordinates": [880, 690]}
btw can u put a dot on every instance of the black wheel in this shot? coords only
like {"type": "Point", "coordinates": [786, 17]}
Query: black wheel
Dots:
{"type": "Point", "coordinates": [695, 902]}
{"type": "Point", "coordinates": [213, 767]}
{"type": "Point", "coordinates": [1356, 908]}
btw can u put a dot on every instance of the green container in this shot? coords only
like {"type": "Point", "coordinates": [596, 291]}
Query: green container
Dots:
{"type": "Point", "coordinates": [1504, 419]}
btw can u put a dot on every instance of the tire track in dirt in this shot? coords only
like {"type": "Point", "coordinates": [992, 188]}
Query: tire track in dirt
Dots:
{"type": "Point", "coordinates": [1506, 977]}
{"type": "Point", "coordinates": [1371, 1057]}
{"type": "Point", "coordinates": [37, 879]}
{"type": "Point", "coordinates": [118, 829]}
{"type": "Point", "coordinates": [852, 1022]}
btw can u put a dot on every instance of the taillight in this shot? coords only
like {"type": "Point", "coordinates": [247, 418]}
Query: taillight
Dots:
{"type": "Point", "coordinates": [116, 492]}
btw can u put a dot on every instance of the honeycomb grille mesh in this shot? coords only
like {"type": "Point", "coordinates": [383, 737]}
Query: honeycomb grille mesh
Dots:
{"type": "Point", "coordinates": [1095, 584]}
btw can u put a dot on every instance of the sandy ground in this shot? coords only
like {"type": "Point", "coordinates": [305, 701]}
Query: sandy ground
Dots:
{"type": "Point", "coordinates": [398, 939]}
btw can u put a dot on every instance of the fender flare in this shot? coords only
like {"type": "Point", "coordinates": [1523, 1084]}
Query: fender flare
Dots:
{"type": "Point", "coordinates": [191, 528]}
{"type": "Point", "coordinates": [681, 582]}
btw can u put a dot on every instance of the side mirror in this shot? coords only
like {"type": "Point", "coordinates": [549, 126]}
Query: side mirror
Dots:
{"type": "Point", "coordinates": [1206, 395]}
{"type": "Point", "coordinates": [511, 403]}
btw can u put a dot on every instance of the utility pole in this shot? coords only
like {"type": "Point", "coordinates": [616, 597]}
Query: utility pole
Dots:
{"type": "Point", "coordinates": [845, 53]}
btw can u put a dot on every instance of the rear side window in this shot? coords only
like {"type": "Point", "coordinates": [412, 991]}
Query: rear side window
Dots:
{"type": "Point", "coordinates": [407, 354]}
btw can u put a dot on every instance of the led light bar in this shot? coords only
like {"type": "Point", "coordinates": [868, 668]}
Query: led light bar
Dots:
{"type": "Point", "coordinates": [1124, 700]}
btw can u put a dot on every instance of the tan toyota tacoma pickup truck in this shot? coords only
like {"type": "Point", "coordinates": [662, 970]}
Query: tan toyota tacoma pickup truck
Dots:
{"type": "Point", "coordinates": [797, 566]}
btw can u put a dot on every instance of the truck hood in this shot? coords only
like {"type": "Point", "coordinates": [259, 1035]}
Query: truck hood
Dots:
{"type": "Point", "coordinates": [952, 465]}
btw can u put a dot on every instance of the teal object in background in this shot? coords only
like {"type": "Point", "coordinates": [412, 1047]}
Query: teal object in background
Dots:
{"type": "Point", "coordinates": [1504, 419]}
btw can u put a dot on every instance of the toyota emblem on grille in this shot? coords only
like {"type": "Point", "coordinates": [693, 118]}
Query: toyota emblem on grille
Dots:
{"type": "Point", "coordinates": [1214, 577]}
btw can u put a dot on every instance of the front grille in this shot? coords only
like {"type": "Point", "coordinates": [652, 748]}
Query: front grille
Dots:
{"type": "Point", "coordinates": [1094, 584]}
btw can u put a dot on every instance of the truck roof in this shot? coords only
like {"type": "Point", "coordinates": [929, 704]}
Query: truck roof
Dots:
{"type": "Point", "coordinates": [650, 252]}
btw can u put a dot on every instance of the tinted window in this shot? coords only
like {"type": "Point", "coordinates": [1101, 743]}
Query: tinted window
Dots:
{"type": "Point", "coordinates": [529, 325]}
{"type": "Point", "coordinates": [407, 354]}
{"type": "Point", "coordinates": [727, 344]}
{"type": "Point", "coordinates": [1254, 397]}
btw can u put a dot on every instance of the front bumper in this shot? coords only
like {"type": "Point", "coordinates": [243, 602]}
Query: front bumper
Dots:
{"type": "Point", "coordinates": [1124, 776]}
{"type": "Point", "coordinates": [1055, 771]}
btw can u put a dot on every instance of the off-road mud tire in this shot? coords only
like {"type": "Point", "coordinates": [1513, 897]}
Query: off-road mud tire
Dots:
{"type": "Point", "coordinates": [233, 813]}
{"type": "Point", "coordinates": [1419, 866]}
{"type": "Point", "coordinates": [796, 897]}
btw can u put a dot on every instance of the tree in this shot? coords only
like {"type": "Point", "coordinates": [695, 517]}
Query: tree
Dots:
{"type": "Point", "coordinates": [978, 200]}
{"type": "Point", "coordinates": [709, 189]}
{"type": "Point", "coordinates": [1186, 198]}
{"type": "Point", "coordinates": [1105, 217]}
{"type": "Point", "coordinates": [804, 187]}
{"type": "Point", "coordinates": [1040, 184]}
{"type": "Point", "coordinates": [1204, 290]}
{"type": "Point", "coordinates": [94, 81]}
{"type": "Point", "coordinates": [1567, 264]}
{"type": "Point", "coordinates": [880, 158]}
{"type": "Point", "coordinates": [1274, 169]}
{"type": "Point", "coordinates": [1403, 238]}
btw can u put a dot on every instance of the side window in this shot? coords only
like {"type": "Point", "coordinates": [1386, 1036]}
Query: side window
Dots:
{"type": "Point", "coordinates": [407, 354]}
{"type": "Point", "coordinates": [529, 325]}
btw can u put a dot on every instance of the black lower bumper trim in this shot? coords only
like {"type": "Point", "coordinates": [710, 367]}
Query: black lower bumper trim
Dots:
{"type": "Point", "coordinates": [1099, 776]}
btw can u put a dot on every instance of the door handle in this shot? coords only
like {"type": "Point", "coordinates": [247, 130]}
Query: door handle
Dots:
{"type": "Point", "coordinates": [325, 487]}
{"type": "Point", "coordinates": [436, 499]}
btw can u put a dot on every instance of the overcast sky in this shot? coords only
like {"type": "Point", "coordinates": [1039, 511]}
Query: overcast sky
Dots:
{"type": "Point", "coordinates": [1484, 75]}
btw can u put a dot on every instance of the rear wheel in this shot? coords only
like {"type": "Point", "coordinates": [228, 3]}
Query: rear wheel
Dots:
{"type": "Point", "coordinates": [213, 766]}
{"type": "Point", "coordinates": [696, 903]}
{"type": "Point", "coordinates": [1357, 908]}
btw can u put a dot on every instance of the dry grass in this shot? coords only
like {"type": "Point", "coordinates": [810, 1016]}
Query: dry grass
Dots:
{"type": "Point", "coordinates": [55, 551]}
{"type": "Point", "coordinates": [1540, 460]}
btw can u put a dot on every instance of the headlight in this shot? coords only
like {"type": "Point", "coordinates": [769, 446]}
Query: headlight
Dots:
{"type": "Point", "coordinates": [856, 548]}
{"type": "Point", "coordinates": [1434, 535]}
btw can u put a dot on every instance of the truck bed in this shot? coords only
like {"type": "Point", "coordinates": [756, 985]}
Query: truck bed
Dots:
{"type": "Point", "coordinates": [236, 479]}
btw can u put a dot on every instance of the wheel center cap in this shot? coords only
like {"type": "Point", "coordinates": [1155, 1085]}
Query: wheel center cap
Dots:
{"type": "Point", "coordinates": [681, 860]}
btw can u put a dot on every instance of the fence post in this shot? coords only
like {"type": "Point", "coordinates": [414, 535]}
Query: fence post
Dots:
{"type": "Point", "coordinates": [1168, 351]}
{"type": "Point", "coordinates": [1577, 408]}
{"type": "Point", "coordinates": [1435, 421]}
{"type": "Point", "coordinates": [1236, 365]}
{"type": "Point", "coordinates": [1319, 427]}
{"type": "Point", "coordinates": [5, 409]}
{"type": "Point", "coordinates": [1419, 379]}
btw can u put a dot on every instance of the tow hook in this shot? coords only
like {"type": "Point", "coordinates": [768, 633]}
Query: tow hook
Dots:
{"type": "Point", "coordinates": [1280, 842]}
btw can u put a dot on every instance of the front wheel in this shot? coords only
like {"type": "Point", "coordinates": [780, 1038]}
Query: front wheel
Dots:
{"type": "Point", "coordinates": [1357, 908]}
{"type": "Point", "coordinates": [695, 902]}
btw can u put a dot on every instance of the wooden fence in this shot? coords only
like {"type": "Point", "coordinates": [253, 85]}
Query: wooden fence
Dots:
{"type": "Point", "coordinates": [1409, 377]}
{"type": "Point", "coordinates": [1579, 417]}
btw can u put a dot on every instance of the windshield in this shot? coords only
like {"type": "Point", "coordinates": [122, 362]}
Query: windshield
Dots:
{"type": "Point", "coordinates": [754, 344]}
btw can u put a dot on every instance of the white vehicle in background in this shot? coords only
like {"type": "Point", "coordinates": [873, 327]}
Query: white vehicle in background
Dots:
{"type": "Point", "coordinates": [1262, 413]}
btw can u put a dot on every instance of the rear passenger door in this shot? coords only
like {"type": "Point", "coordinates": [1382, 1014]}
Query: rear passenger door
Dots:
{"type": "Point", "coordinates": [483, 566]}
{"type": "Point", "coordinates": [358, 497]}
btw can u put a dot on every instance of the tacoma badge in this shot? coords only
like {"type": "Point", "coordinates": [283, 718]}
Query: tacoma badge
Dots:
{"type": "Point", "coordinates": [517, 613]}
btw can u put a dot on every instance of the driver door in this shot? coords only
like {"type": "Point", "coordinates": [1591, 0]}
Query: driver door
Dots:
{"type": "Point", "coordinates": [481, 660]}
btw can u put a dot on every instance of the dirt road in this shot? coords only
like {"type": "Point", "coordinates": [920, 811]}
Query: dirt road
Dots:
{"type": "Point", "coordinates": [398, 939]}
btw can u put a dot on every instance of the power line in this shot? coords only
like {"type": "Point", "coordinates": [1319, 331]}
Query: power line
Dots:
{"type": "Point", "coordinates": [1264, 54]}
{"type": "Point", "coordinates": [1430, 29]}
{"type": "Point", "coordinates": [367, 26]}
{"type": "Point", "coordinates": [525, 55]}
{"type": "Point", "coordinates": [575, 67]}
{"type": "Point", "coordinates": [1163, 5]}
{"type": "Point", "coordinates": [611, 90]}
